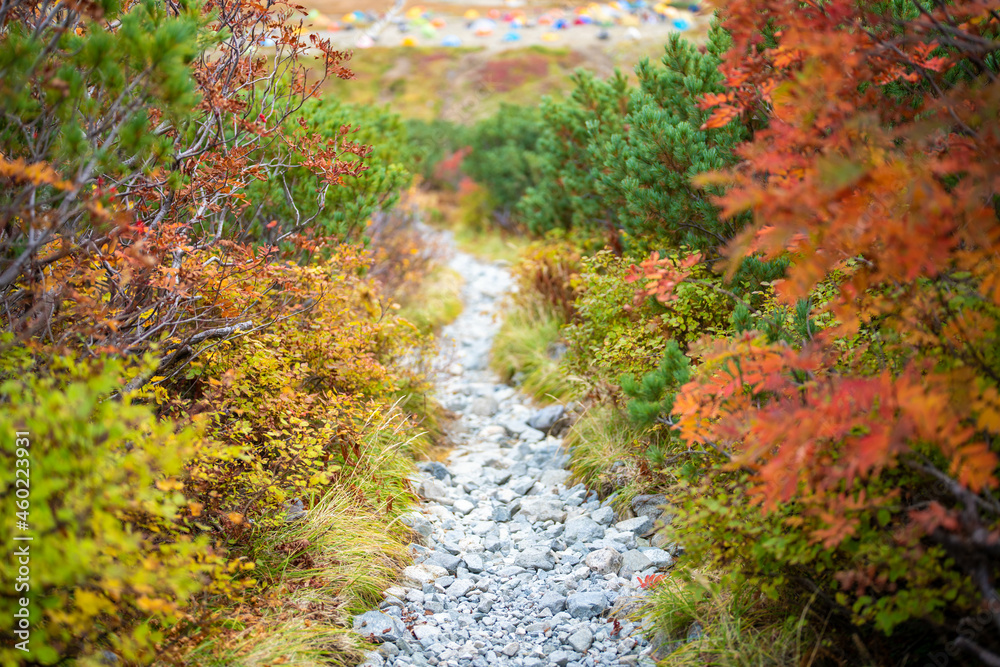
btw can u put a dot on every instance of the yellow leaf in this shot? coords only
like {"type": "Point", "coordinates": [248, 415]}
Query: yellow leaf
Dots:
{"type": "Point", "coordinates": [91, 604]}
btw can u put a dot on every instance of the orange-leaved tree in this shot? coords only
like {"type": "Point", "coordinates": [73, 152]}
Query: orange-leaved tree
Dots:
{"type": "Point", "coordinates": [875, 167]}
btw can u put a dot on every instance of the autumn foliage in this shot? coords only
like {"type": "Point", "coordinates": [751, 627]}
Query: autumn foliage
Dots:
{"type": "Point", "coordinates": [875, 166]}
{"type": "Point", "coordinates": [194, 333]}
{"type": "Point", "coordinates": [808, 207]}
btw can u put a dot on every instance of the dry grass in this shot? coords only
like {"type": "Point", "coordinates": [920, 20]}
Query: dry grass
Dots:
{"type": "Point", "coordinates": [314, 573]}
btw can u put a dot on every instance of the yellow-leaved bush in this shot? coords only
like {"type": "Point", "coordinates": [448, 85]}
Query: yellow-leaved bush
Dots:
{"type": "Point", "coordinates": [105, 496]}
{"type": "Point", "coordinates": [292, 403]}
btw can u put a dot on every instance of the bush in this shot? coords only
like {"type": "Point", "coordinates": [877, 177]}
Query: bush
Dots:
{"type": "Point", "coordinates": [432, 142]}
{"type": "Point", "coordinates": [292, 402]}
{"type": "Point", "coordinates": [566, 194]}
{"type": "Point", "coordinates": [371, 183]}
{"type": "Point", "coordinates": [116, 556]}
{"type": "Point", "coordinates": [503, 160]}
{"type": "Point", "coordinates": [649, 167]}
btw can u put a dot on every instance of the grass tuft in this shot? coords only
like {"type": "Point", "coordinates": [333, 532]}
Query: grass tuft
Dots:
{"type": "Point", "coordinates": [315, 572]}
{"type": "Point", "coordinates": [437, 303]}
{"type": "Point", "coordinates": [523, 349]}
{"type": "Point", "coordinates": [702, 621]}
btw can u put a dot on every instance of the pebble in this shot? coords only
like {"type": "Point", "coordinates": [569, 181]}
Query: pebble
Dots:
{"type": "Point", "coordinates": [515, 565]}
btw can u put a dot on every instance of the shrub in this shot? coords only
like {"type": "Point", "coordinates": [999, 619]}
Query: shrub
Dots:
{"type": "Point", "coordinates": [116, 556]}
{"type": "Point", "coordinates": [566, 193]}
{"type": "Point", "coordinates": [503, 159]}
{"type": "Point", "coordinates": [372, 180]}
{"type": "Point", "coordinates": [649, 165]}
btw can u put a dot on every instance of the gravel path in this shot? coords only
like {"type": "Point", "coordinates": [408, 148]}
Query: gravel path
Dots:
{"type": "Point", "coordinates": [516, 567]}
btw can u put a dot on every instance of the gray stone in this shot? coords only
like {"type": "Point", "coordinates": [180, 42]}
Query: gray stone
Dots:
{"type": "Point", "coordinates": [546, 418]}
{"type": "Point", "coordinates": [484, 406]}
{"type": "Point", "coordinates": [637, 526]}
{"type": "Point", "coordinates": [427, 634]}
{"type": "Point", "coordinates": [604, 515]}
{"type": "Point", "coordinates": [475, 563]}
{"type": "Point", "coordinates": [603, 561]}
{"type": "Point", "coordinates": [422, 573]}
{"type": "Point", "coordinates": [380, 627]}
{"type": "Point", "coordinates": [536, 559]}
{"type": "Point", "coordinates": [649, 505]}
{"type": "Point", "coordinates": [445, 560]}
{"type": "Point", "coordinates": [532, 435]}
{"type": "Point", "coordinates": [521, 485]}
{"type": "Point", "coordinates": [514, 426]}
{"type": "Point", "coordinates": [419, 524]}
{"type": "Point", "coordinates": [461, 588]}
{"type": "Point", "coordinates": [662, 540]}
{"type": "Point", "coordinates": [372, 659]}
{"type": "Point", "coordinates": [493, 432]}
{"type": "Point", "coordinates": [438, 470]}
{"type": "Point", "coordinates": [498, 477]}
{"type": "Point", "coordinates": [511, 649]}
{"type": "Point", "coordinates": [616, 537]}
{"type": "Point", "coordinates": [560, 658]}
{"type": "Point", "coordinates": [501, 513]}
{"type": "Point", "coordinates": [537, 509]}
{"type": "Point", "coordinates": [581, 640]}
{"type": "Point", "coordinates": [553, 602]}
{"type": "Point", "coordinates": [554, 477]}
{"type": "Point", "coordinates": [450, 545]}
{"type": "Point", "coordinates": [432, 489]}
{"type": "Point", "coordinates": [294, 510]}
{"type": "Point", "coordinates": [659, 558]}
{"type": "Point", "coordinates": [586, 605]}
{"type": "Point", "coordinates": [582, 529]}
{"type": "Point", "coordinates": [633, 561]}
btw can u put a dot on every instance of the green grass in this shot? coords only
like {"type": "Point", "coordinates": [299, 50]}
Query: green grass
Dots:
{"type": "Point", "coordinates": [739, 626]}
{"type": "Point", "coordinates": [490, 244]}
{"type": "Point", "coordinates": [603, 455]}
{"type": "Point", "coordinates": [437, 303]}
{"type": "Point", "coordinates": [523, 347]}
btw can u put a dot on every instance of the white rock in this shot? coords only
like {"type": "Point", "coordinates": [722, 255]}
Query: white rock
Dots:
{"type": "Point", "coordinates": [554, 477]}
{"type": "Point", "coordinates": [538, 509]}
{"type": "Point", "coordinates": [422, 573]}
{"type": "Point", "coordinates": [423, 632]}
{"type": "Point", "coordinates": [463, 506]}
{"type": "Point", "coordinates": [603, 561]}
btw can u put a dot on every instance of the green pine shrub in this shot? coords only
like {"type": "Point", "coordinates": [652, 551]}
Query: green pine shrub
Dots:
{"type": "Point", "coordinates": [650, 165]}
{"type": "Point", "coordinates": [653, 395]}
{"type": "Point", "coordinates": [566, 194]}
